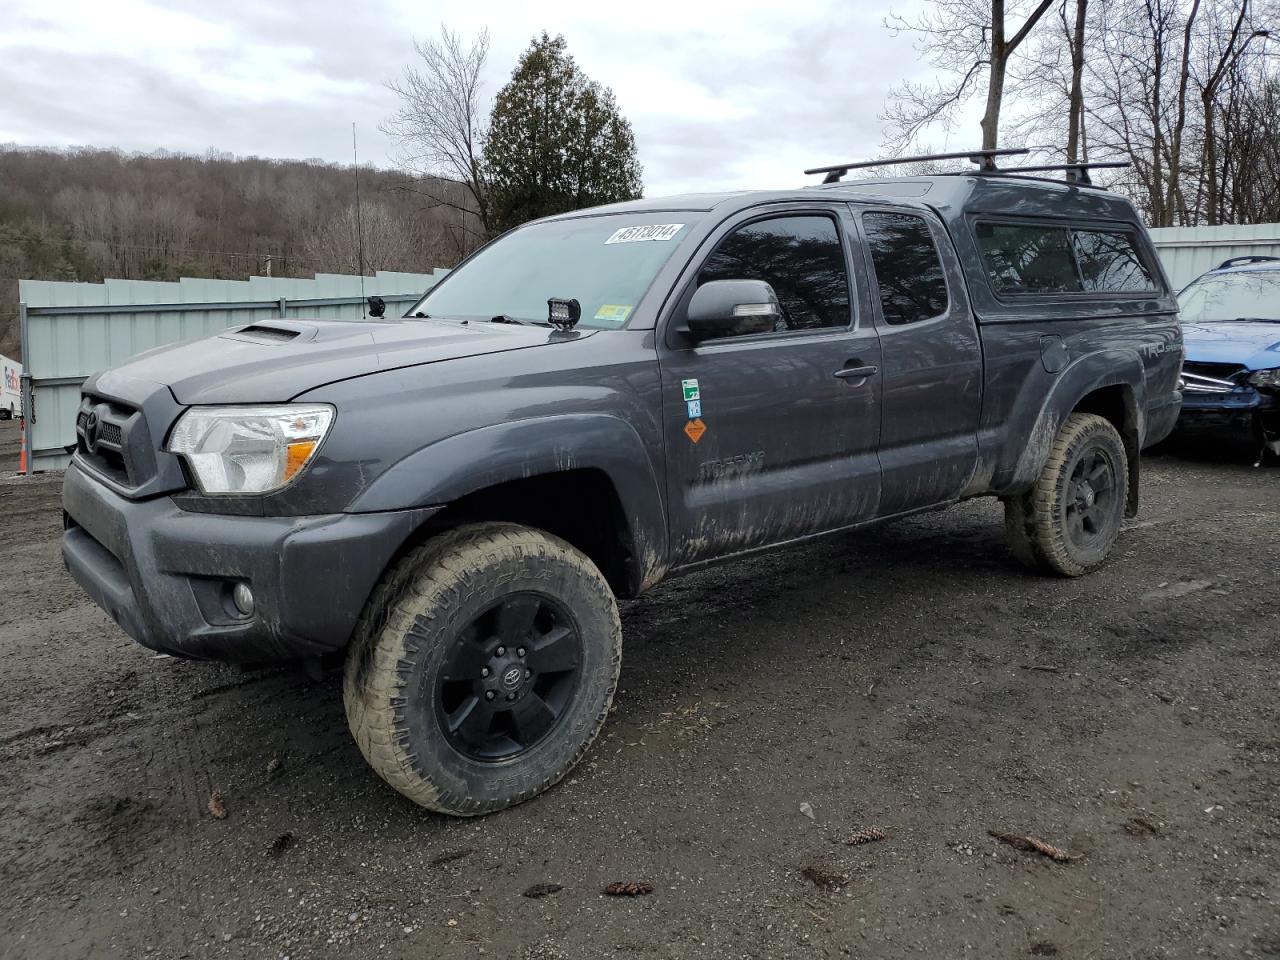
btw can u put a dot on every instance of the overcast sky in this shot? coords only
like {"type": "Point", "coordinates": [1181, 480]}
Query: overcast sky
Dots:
{"type": "Point", "coordinates": [720, 93]}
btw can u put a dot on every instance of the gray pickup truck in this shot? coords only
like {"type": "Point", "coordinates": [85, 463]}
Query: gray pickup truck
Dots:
{"type": "Point", "coordinates": [595, 401]}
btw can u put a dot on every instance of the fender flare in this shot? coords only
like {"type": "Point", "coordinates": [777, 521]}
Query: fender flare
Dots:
{"type": "Point", "coordinates": [465, 463]}
{"type": "Point", "coordinates": [1093, 371]}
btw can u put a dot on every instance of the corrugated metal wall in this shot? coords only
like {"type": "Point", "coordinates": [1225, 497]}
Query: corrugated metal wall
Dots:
{"type": "Point", "coordinates": [72, 330]}
{"type": "Point", "coordinates": [1187, 252]}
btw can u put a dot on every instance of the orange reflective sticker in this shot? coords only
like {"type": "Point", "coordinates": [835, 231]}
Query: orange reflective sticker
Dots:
{"type": "Point", "coordinates": [695, 429]}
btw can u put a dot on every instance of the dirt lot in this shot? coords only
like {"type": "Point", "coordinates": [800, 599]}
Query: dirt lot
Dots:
{"type": "Point", "coordinates": [910, 678]}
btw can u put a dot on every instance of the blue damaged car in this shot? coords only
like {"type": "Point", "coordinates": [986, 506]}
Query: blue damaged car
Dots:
{"type": "Point", "coordinates": [1231, 333]}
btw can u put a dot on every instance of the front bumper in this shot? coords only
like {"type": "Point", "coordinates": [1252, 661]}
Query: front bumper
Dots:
{"type": "Point", "coordinates": [1239, 410]}
{"type": "Point", "coordinates": [165, 574]}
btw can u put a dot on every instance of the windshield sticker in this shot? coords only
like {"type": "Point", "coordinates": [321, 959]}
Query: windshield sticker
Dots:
{"type": "Point", "coordinates": [695, 409]}
{"type": "Point", "coordinates": [694, 430]}
{"type": "Point", "coordinates": [614, 313]}
{"type": "Point", "coordinates": [654, 231]}
{"type": "Point", "coordinates": [690, 388]}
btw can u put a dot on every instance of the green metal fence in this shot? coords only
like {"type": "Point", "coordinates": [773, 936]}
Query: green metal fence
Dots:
{"type": "Point", "coordinates": [1187, 252]}
{"type": "Point", "coordinates": [72, 330]}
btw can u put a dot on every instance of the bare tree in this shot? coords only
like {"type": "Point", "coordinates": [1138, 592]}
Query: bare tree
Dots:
{"type": "Point", "coordinates": [1158, 77]}
{"type": "Point", "coordinates": [387, 240]}
{"type": "Point", "coordinates": [1077, 150]}
{"type": "Point", "coordinates": [1230, 34]}
{"type": "Point", "coordinates": [441, 124]}
{"type": "Point", "coordinates": [1048, 80]}
{"type": "Point", "coordinates": [960, 38]}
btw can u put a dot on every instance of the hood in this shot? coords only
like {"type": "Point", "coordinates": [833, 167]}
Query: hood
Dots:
{"type": "Point", "coordinates": [275, 360]}
{"type": "Point", "coordinates": [1256, 345]}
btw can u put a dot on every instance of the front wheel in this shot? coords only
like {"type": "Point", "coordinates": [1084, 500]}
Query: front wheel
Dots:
{"type": "Point", "coordinates": [1069, 521]}
{"type": "Point", "coordinates": [483, 668]}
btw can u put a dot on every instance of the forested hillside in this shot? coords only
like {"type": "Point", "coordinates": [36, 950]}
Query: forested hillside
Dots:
{"type": "Point", "coordinates": [89, 214]}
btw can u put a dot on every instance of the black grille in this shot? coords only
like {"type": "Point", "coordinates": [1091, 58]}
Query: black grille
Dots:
{"type": "Point", "coordinates": [102, 444]}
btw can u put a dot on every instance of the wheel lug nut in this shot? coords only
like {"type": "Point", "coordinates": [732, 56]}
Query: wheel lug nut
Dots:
{"type": "Point", "coordinates": [511, 696]}
{"type": "Point", "coordinates": [501, 651]}
{"type": "Point", "coordinates": [484, 671]}
{"type": "Point", "coordinates": [528, 674]}
{"type": "Point", "coordinates": [520, 652]}
{"type": "Point", "coordinates": [489, 694]}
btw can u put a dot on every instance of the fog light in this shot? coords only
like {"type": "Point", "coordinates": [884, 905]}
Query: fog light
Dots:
{"type": "Point", "coordinates": [242, 597]}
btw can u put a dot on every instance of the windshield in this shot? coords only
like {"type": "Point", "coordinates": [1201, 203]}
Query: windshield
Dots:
{"type": "Point", "coordinates": [605, 263]}
{"type": "Point", "coordinates": [1246, 295]}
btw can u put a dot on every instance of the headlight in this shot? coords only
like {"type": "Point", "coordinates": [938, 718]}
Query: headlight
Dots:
{"type": "Point", "coordinates": [1265, 378]}
{"type": "Point", "coordinates": [249, 449]}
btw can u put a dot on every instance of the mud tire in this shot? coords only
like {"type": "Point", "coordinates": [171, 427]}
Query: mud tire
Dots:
{"type": "Point", "coordinates": [401, 642]}
{"type": "Point", "coordinates": [1036, 522]}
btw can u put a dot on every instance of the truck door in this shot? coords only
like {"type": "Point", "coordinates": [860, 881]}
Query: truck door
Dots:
{"type": "Point", "coordinates": [931, 360]}
{"type": "Point", "coordinates": [771, 433]}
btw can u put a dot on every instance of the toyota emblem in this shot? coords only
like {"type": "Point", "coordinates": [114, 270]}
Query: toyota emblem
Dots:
{"type": "Point", "coordinates": [92, 426]}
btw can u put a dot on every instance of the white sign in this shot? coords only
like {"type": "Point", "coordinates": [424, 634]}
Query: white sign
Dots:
{"type": "Point", "coordinates": [654, 231]}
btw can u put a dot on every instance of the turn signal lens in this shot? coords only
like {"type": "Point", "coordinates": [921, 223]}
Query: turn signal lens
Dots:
{"type": "Point", "coordinates": [297, 457]}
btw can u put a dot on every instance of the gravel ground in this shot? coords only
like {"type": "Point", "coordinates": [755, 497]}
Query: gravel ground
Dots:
{"type": "Point", "coordinates": [911, 679]}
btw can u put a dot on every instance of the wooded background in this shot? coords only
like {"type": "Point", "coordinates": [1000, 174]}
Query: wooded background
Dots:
{"type": "Point", "coordinates": [90, 214]}
{"type": "Point", "coordinates": [1187, 91]}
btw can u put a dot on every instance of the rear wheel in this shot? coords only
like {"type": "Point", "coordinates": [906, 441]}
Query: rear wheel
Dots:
{"type": "Point", "coordinates": [483, 668]}
{"type": "Point", "coordinates": [1069, 521]}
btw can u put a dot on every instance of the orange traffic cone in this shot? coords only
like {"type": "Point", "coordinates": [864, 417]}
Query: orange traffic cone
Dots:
{"type": "Point", "coordinates": [22, 445]}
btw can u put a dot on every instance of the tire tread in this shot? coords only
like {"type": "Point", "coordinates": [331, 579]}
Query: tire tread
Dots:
{"type": "Point", "coordinates": [378, 657]}
{"type": "Point", "coordinates": [1035, 537]}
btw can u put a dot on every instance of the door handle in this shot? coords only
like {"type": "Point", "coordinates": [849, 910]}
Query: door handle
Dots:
{"type": "Point", "coordinates": [857, 373]}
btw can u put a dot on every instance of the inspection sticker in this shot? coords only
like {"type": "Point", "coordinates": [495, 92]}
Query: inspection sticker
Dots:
{"type": "Point", "coordinates": [614, 313]}
{"type": "Point", "coordinates": [695, 429]}
{"type": "Point", "coordinates": [652, 231]}
{"type": "Point", "coordinates": [691, 391]}
{"type": "Point", "coordinates": [695, 409]}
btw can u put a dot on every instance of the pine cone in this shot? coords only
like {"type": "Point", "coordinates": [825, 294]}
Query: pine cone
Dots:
{"type": "Point", "coordinates": [823, 877]}
{"type": "Point", "coordinates": [1141, 827]}
{"type": "Point", "coordinates": [870, 835]}
{"type": "Point", "coordinates": [633, 889]}
{"type": "Point", "coordinates": [217, 809]}
{"type": "Point", "coordinates": [1034, 844]}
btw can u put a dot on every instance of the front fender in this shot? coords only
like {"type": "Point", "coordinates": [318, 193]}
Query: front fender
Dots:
{"type": "Point", "coordinates": [469, 462]}
{"type": "Point", "coordinates": [1039, 425]}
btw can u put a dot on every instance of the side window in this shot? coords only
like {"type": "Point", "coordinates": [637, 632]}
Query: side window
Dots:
{"type": "Point", "coordinates": [801, 258]}
{"type": "Point", "coordinates": [1109, 262]}
{"type": "Point", "coordinates": [908, 269]}
{"type": "Point", "coordinates": [1028, 258]}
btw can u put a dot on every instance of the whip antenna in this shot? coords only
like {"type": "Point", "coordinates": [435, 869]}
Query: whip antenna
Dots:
{"type": "Point", "coordinates": [355, 162]}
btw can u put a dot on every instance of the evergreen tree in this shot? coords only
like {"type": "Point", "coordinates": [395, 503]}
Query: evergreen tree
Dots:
{"type": "Point", "coordinates": [556, 141]}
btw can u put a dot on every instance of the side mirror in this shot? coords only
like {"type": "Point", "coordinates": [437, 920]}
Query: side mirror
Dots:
{"type": "Point", "coordinates": [723, 308]}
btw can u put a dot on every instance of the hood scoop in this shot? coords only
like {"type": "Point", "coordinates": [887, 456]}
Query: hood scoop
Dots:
{"type": "Point", "coordinates": [264, 333]}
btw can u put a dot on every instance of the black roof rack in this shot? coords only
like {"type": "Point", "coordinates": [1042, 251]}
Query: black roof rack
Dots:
{"type": "Point", "coordinates": [1241, 261]}
{"type": "Point", "coordinates": [1076, 172]}
{"type": "Point", "coordinates": [984, 158]}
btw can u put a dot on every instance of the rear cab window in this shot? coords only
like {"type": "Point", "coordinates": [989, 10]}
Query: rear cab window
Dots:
{"type": "Point", "coordinates": [1035, 259]}
{"type": "Point", "coordinates": [908, 269]}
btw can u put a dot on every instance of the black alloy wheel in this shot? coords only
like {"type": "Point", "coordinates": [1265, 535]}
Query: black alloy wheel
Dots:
{"type": "Point", "coordinates": [1089, 505]}
{"type": "Point", "coordinates": [508, 677]}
